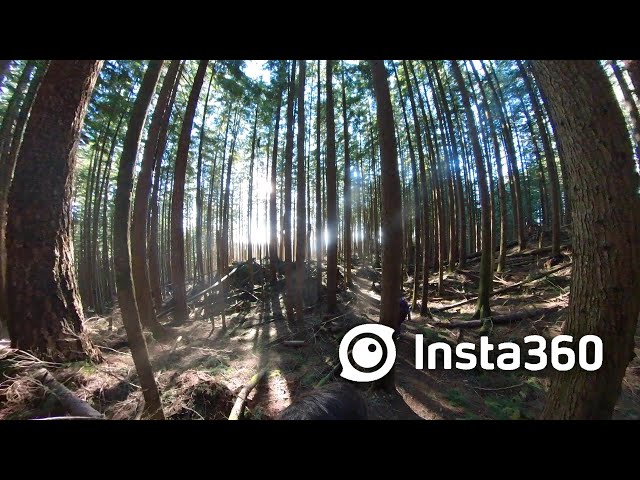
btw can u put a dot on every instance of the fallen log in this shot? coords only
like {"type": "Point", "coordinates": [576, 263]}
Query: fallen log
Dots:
{"type": "Point", "coordinates": [294, 343]}
{"type": "Point", "coordinates": [69, 417]}
{"type": "Point", "coordinates": [75, 406]}
{"type": "Point", "coordinates": [238, 407]}
{"type": "Point", "coordinates": [479, 254]}
{"type": "Point", "coordinates": [513, 317]}
{"type": "Point", "coordinates": [538, 251]}
{"type": "Point", "coordinates": [200, 294]}
{"type": "Point", "coordinates": [503, 290]}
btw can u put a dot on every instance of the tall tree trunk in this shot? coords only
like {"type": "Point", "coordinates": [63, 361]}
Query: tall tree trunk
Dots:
{"type": "Point", "coordinates": [6, 174]}
{"type": "Point", "coordinates": [45, 314]}
{"type": "Point", "coordinates": [551, 164]}
{"type": "Point", "coordinates": [502, 192]}
{"type": "Point", "coordinates": [458, 232]}
{"type": "Point", "coordinates": [121, 242]}
{"type": "Point", "coordinates": [391, 205]}
{"type": "Point", "coordinates": [199, 264]}
{"type": "Point", "coordinates": [139, 271]}
{"type": "Point", "coordinates": [224, 237]}
{"type": "Point", "coordinates": [301, 232]}
{"type": "Point", "coordinates": [319, 232]}
{"type": "Point", "coordinates": [332, 217]}
{"type": "Point", "coordinates": [424, 308]}
{"type": "Point", "coordinates": [605, 284]}
{"type": "Point", "coordinates": [483, 309]}
{"type": "Point", "coordinates": [273, 212]}
{"type": "Point", "coordinates": [288, 165]}
{"type": "Point", "coordinates": [511, 156]}
{"type": "Point", "coordinates": [153, 239]}
{"type": "Point", "coordinates": [177, 201]}
{"type": "Point", "coordinates": [416, 197]}
{"type": "Point", "coordinates": [347, 184]}
{"type": "Point", "coordinates": [250, 200]}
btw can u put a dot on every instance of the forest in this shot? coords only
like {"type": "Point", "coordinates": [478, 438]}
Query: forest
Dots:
{"type": "Point", "coordinates": [253, 239]}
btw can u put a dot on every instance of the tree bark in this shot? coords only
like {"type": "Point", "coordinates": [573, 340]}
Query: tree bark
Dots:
{"type": "Point", "coordinates": [139, 270]}
{"type": "Point", "coordinates": [177, 200]}
{"type": "Point", "coordinates": [7, 169]}
{"type": "Point", "coordinates": [319, 232]}
{"type": "Point", "coordinates": [424, 310]}
{"type": "Point", "coordinates": [301, 232]}
{"type": "Point", "coordinates": [483, 309]}
{"type": "Point", "coordinates": [416, 196]}
{"type": "Point", "coordinates": [288, 166]}
{"type": "Point", "coordinates": [551, 164]}
{"type": "Point", "coordinates": [199, 264]}
{"type": "Point", "coordinates": [250, 200]}
{"type": "Point", "coordinates": [391, 205]}
{"type": "Point", "coordinates": [502, 192]}
{"type": "Point", "coordinates": [45, 314]}
{"type": "Point", "coordinates": [332, 217]}
{"type": "Point", "coordinates": [273, 211]}
{"type": "Point", "coordinates": [347, 184]}
{"type": "Point", "coordinates": [603, 186]}
{"type": "Point", "coordinates": [121, 242]}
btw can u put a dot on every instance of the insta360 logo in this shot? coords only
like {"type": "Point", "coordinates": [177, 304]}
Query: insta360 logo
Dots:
{"type": "Point", "coordinates": [367, 353]}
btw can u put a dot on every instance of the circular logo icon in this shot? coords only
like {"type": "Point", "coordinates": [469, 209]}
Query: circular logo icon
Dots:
{"type": "Point", "coordinates": [367, 353]}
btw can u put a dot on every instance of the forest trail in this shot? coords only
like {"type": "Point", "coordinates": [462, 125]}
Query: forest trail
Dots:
{"type": "Point", "coordinates": [199, 376]}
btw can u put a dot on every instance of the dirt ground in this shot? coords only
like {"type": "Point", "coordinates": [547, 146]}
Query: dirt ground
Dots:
{"type": "Point", "coordinates": [200, 377]}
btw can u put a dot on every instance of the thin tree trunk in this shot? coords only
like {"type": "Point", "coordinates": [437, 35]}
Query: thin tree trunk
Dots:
{"type": "Point", "coordinates": [273, 212]}
{"type": "Point", "coordinates": [301, 232]}
{"type": "Point", "coordinates": [250, 200]}
{"type": "Point", "coordinates": [153, 253]}
{"type": "Point", "coordinates": [347, 184]}
{"type": "Point", "coordinates": [180, 313]}
{"type": "Point", "coordinates": [199, 263]}
{"type": "Point", "coordinates": [424, 310]}
{"type": "Point", "coordinates": [511, 158]}
{"type": "Point", "coordinates": [502, 192]}
{"type": "Point", "coordinates": [391, 205]}
{"type": "Point", "coordinates": [139, 270]}
{"type": "Point", "coordinates": [288, 165]}
{"type": "Point", "coordinates": [551, 164]}
{"type": "Point", "coordinates": [121, 241]}
{"type": "Point", "coordinates": [483, 309]}
{"type": "Point", "coordinates": [416, 197]}
{"type": "Point", "coordinates": [632, 108]}
{"type": "Point", "coordinates": [332, 217]}
{"type": "Point", "coordinates": [319, 232]}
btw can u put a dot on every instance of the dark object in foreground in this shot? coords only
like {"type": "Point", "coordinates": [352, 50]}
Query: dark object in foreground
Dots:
{"type": "Point", "coordinates": [335, 401]}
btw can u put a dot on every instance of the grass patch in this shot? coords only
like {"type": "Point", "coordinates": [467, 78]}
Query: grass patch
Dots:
{"type": "Point", "coordinates": [430, 335]}
{"type": "Point", "coordinates": [507, 407]}
{"type": "Point", "coordinates": [457, 398]}
{"type": "Point", "coordinates": [215, 366]}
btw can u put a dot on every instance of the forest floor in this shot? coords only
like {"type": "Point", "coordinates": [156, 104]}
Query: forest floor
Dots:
{"type": "Point", "coordinates": [200, 376]}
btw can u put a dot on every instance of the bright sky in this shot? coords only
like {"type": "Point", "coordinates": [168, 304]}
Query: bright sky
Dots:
{"type": "Point", "coordinates": [255, 70]}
